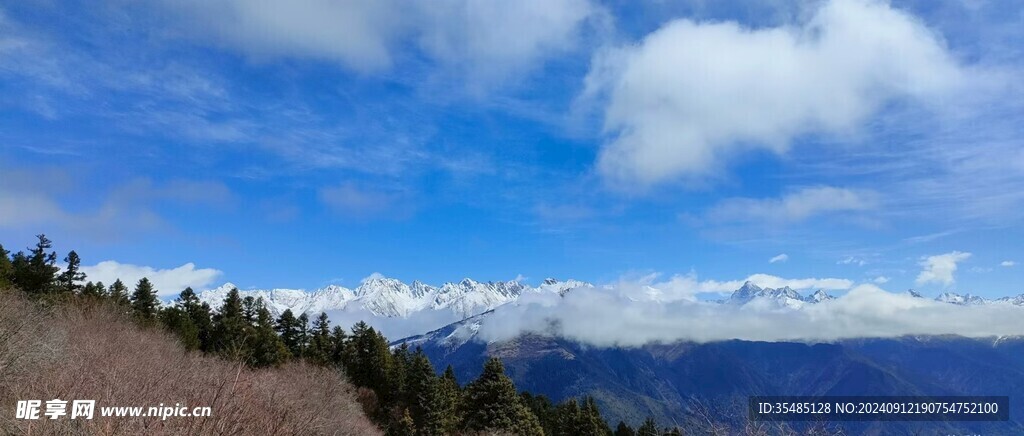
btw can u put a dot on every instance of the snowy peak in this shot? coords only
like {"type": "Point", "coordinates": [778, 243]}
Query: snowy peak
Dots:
{"type": "Point", "coordinates": [819, 296]}
{"type": "Point", "coordinates": [750, 291]}
{"type": "Point", "coordinates": [963, 300]}
{"type": "Point", "coordinates": [392, 298]}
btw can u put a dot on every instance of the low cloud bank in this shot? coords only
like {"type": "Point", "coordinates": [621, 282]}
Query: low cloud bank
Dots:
{"type": "Point", "coordinates": [616, 317]}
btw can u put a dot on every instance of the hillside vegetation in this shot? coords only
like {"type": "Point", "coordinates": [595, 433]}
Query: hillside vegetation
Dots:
{"type": "Point", "coordinates": [91, 351]}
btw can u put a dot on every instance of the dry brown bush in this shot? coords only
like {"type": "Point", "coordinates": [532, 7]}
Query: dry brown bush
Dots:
{"type": "Point", "coordinates": [91, 352]}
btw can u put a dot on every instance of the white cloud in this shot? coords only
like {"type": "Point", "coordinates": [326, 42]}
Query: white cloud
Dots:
{"type": "Point", "coordinates": [166, 281]}
{"type": "Point", "coordinates": [688, 286]}
{"type": "Point", "coordinates": [1007, 263]}
{"type": "Point", "coordinates": [881, 280]}
{"type": "Point", "coordinates": [609, 317]}
{"type": "Point", "coordinates": [850, 260]}
{"type": "Point", "coordinates": [486, 39]}
{"type": "Point", "coordinates": [794, 206]}
{"type": "Point", "coordinates": [692, 95]}
{"type": "Point", "coordinates": [780, 258]}
{"type": "Point", "coordinates": [940, 268]}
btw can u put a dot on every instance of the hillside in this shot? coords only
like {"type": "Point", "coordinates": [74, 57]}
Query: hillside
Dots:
{"type": "Point", "coordinates": [680, 382]}
{"type": "Point", "coordinates": [91, 352]}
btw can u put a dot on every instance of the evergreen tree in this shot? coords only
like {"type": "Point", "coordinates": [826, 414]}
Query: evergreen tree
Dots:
{"type": "Point", "coordinates": [118, 293]}
{"type": "Point", "coordinates": [176, 320]}
{"type": "Point", "coordinates": [492, 404]}
{"type": "Point", "coordinates": [6, 269]}
{"type": "Point", "coordinates": [92, 290]}
{"type": "Point", "coordinates": [648, 428]}
{"type": "Point", "coordinates": [673, 432]}
{"type": "Point", "coordinates": [448, 386]}
{"type": "Point", "coordinates": [591, 420]}
{"type": "Point", "coordinates": [68, 281]}
{"type": "Point", "coordinates": [370, 360]}
{"type": "Point", "coordinates": [288, 327]}
{"type": "Point", "coordinates": [144, 301]}
{"type": "Point", "coordinates": [37, 272]}
{"type": "Point", "coordinates": [545, 411]}
{"type": "Point", "coordinates": [229, 328]}
{"type": "Point", "coordinates": [199, 315]}
{"type": "Point", "coordinates": [302, 327]}
{"type": "Point", "coordinates": [249, 310]}
{"type": "Point", "coordinates": [427, 404]}
{"type": "Point", "coordinates": [339, 347]}
{"type": "Point", "coordinates": [624, 430]}
{"type": "Point", "coordinates": [320, 344]}
{"type": "Point", "coordinates": [268, 349]}
{"type": "Point", "coordinates": [401, 425]}
{"type": "Point", "coordinates": [397, 394]}
{"type": "Point", "coordinates": [568, 418]}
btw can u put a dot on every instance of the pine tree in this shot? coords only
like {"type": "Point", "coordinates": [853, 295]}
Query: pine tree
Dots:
{"type": "Point", "coordinates": [624, 430]}
{"type": "Point", "coordinates": [339, 347]}
{"type": "Point", "coordinates": [92, 290]}
{"type": "Point", "coordinates": [397, 394]}
{"type": "Point", "coordinates": [427, 403]}
{"type": "Point", "coordinates": [448, 386]}
{"type": "Point", "coordinates": [199, 314]}
{"type": "Point", "coordinates": [320, 346]}
{"type": "Point", "coordinates": [370, 360]}
{"type": "Point", "coordinates": [288, 327]}
{"type": "Point", "coordinates": [68, 281]}
{"type": "Point", "coordinates": [176, 320]}
{"type": "Point", "coordinates": [229, 328]}
{"type": "Point", "coordinates": [118, 293]}
{"type": "Point", "coordinates": [37, 272]}
{"type": "Point", "coordinates": [591, 420]}
{"type": "Point", "coordinates": [144, 301]}
{"type": "Point", "coordinates": [648, 428]}
{"type": "Point", "coordinates": [492, 404]}
{"type": "Point", "coordinates": [568, 418]}
{"type": "Point", "coordinates": [249, 309]}
{"type": "Point", "coordinates": [268, 349]}
{"type": "Point", "coordinates": [545, 411]}
{"type": "Point", "coordinates": [6, 269]}
{"type": "Point", "coordinates": [302, 327]}
{"type": "Point", "coordinates": [401, 425]}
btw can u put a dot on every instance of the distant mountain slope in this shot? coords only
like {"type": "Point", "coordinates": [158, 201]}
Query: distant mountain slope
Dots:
{"type": "Point", "coordinates": [670, 381]}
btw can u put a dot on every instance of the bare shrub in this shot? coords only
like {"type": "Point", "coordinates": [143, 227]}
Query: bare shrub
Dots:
{"type": "Point", "coordinates": [91, 352]}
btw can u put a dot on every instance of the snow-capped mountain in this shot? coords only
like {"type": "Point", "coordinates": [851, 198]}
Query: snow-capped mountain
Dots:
{"type": "Point", "coordinates": [391, 298]}
{"type": "Point", "coordinates": [785, 296]}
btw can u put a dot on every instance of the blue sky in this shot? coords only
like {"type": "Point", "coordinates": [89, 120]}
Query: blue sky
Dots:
{"type": "Point", "coordinates": [317, 142]}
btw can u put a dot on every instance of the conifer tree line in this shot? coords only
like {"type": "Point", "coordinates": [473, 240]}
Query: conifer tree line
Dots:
{"type": "Point", "coordinates": [399, 388]}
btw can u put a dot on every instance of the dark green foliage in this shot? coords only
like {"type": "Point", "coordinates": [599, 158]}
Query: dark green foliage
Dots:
{"type": "Point", "coordinates": [144, 302]}
{"type": "Point", "coordinates": [199, 314]}
{"type": "Point", "coordinates": [428, 405]}
{"type": "Point", "coordinates": [370, 360]}
{"type": "Point", "coordinates": [267, 347]}
{"type": "Point", "coordinates": [36, 273]}
{"type": "Point", "coordinates": [339, 347]}
{"type": "Point", "coordinates": [624, 429]}
{"type": "Point", "coordinates": [448, 387]}
{"type": "Point", "coordinates": [288, 327]}
{"type": "Point", "coordinates": [320, 345]}
{"type": "Point", "coordinates": [69, 280]}
{"type": "Point", "coordinates": [229, 328]}
{"type": "Point", "coordinates": [176, 320]}
{"type": "Point", "coordinates": [93, 290]}
{"type": "Point", "coordinates": [118, 293]}
{"type": "Point", "coordinates": [401, 425]}
{"type": "Point", "coordinates": [648, 428]}
{"type": "Point", "coordinates": [491, 404]}
{"type": "Point", "coordinates": [6, 269]}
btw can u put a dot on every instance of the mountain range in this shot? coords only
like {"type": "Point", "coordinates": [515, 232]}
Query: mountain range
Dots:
{"type": "Point", "coordinates": [392, 298]}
